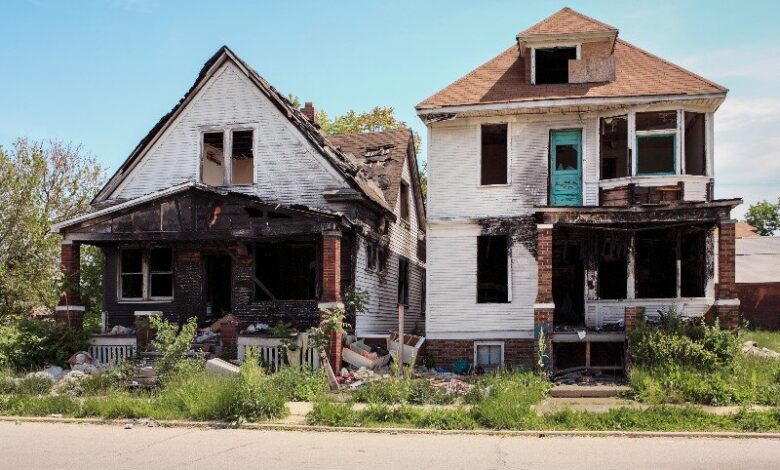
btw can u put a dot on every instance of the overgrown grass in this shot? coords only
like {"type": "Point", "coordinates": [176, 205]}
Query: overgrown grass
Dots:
{"type": "Point", "coordinates": [766, 339]}
{"type": "Point", "coordinates": [393, 391]}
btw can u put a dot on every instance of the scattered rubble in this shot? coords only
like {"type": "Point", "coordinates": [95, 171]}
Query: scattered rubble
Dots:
{"type": "Point", "coordinates": [751, 348]}
{"type": "Point", "coordinates": [585, 377]}
{"type": "Point", "coordinates": [449, 381]}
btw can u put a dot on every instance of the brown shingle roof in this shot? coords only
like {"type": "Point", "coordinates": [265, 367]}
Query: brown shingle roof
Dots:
{"type": "Point", "coordinates": [567, 21]}
{"type": "Point", "coordinates": [638, 73]}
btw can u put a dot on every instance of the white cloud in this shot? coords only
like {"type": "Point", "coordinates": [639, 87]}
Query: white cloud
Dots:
{"type": "Point", "coordinates": [751, 62]}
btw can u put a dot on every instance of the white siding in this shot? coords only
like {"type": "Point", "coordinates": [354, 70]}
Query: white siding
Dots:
{"type": "Point", "coordinates": [453, 310]}
{"type": "Point", "coordinates": [602, 312]}
{"type": "Point", "coordinates": [382, 315]}
{"type": "Point", "coordinates": [288, 169]}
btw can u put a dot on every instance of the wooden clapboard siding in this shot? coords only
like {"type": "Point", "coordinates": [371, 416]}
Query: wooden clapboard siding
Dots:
{"type": "Point", "coordinates": [602, 312]}
{"type": "Point", "coordinates": [287, 168]}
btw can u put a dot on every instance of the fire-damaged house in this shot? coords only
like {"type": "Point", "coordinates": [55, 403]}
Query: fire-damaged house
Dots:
{"type": "Point", "coordinates": [571, 192]}
{"type": "Point", "coordinates": [235, 202]}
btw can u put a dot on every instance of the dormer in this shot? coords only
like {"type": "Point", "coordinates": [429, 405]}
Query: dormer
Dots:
{"type": "Point", "coordinates": [568, 47]}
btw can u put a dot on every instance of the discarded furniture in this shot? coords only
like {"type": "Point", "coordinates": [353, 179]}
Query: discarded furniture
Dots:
{"type": "Point", "coordinates": [358, 355]}
{"type": "Point", "coordinates": [412, 345]}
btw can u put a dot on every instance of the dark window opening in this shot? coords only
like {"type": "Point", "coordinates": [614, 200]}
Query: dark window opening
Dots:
{"type": "Point", "coordinates": [242, 158]}
{"type": "Point", "coordinates": [212, 164]}
{"type": "Point", "coordinates": [370, 256]}
{"type": "Point", "coordinates": [566, 157]}
{"type": "Point", "coordinates": [382, 258]}
{"type": "Point", "coordinates": [132, 274]}
{"type": "Point", "coordinates": [568, 278]}
{"type": "Point", "coordinates": [657, 120]}
{"type": "Point", "coordinates": [421, 250]}
{"type": "Point", "coordinates": [614, 147]}
{"type": "Point", "coordinates": [656, 265]}
{"type": "Point", "coordinates": [655, 154]}
{"type": "Point", "coordinates": [613, 269]}
{"type": "Point", "coordinates": [494, 154]}
{"type": "Point", "coordinates": [695, 160]}
{"type": "Point", "coordinates": [552, 65]}
{"type": "Point", "coordinates": [218, 285]}
{"type": "Point", "coordinates": [146, 274]}
{"type": "Point", "coordinates": [492, 264]}
{"type": "Point", "coordinates": [288, 270]}
{"type": "Point", "coordinates": [160, 272]}
{"type": "Point", "coordinates": [692, 264]}
{"type": "Point", "coordinates": [403, 194]}
{"type": "Point", "coordinates": [403, 281]}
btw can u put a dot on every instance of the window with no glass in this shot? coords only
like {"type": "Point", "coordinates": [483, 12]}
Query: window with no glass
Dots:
{"type": "Point", "coordinates": [403, 281]}
{"type": "Point", "coordinates": [227, 165]}
{"type": "Point", "coordinates": [614, 147]}
{"type": "Point", "coordinates": [492, 269]}
{"type": "Point", "coordinates": [403, 194]}
{"type": "Point", "coordinates": [494, 154]}
{"type": "Point", "coordinates": [552, 64]}
{"type": "Point", "coordinates": [146, 274]}
{"type": "Point", "coordinates": [656, 142]}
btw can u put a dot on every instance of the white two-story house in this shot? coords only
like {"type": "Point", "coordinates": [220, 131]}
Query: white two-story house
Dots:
{"type": "Point", "coordinates": [571, 190]}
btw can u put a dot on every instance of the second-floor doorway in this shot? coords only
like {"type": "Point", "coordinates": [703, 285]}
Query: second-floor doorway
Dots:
{"type": "Point", "coordinates": [566, 167]}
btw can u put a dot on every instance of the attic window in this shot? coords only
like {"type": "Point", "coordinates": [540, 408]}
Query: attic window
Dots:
{"type": "Point", "coordinates": [227, 163]}
{"type": "Point", "coordinates": [403, 195]}
{"type": "Point", "coordinates": [242, 158]}
{"type": "Point", "coordinates": [551, 65]}
{"type": "Point", "coordinates": [494, 154]}
{"type": "Point", "coordinates": [212, 162]}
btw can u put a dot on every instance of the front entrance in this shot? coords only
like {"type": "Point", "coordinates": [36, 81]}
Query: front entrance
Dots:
{"type": "Point", "coordinates": [218, 275]}
{"type": "Point", "coordinates": [566, 167]}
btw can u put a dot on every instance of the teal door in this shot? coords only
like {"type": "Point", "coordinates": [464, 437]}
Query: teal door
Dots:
{"type": "Point", "coordinates": [566, 168]}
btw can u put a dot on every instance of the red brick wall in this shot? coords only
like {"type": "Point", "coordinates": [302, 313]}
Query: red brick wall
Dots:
{"type": "Point", "coordinates": [544, 262]}
{"type": "Point", "coordinates": [760, 304]}
{"type": "Point", "coordinates": [633, 315]}
{"type": "Point", "coordinates": [331, 267]}
{"type": "Point", "coordinates": [70, 263]}
{"type": "Point", "coordinates": [446, 351]}
{"type": "Point", "coordinates": [727, 287]}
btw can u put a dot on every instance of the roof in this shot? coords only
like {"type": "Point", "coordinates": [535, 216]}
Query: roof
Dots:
{"type": "Point", "coordinates": [745, 230]}
{"type": "Point", "coordinates": [339, 161]}
{"type": "Point", "coordinates": [567, 21]}
{"type": "Point", "coordinates": [757, 260]}
{"type": "Point", "coordinates": [638, 73]}
{"type": "Point", "coordinates": [381, 156]}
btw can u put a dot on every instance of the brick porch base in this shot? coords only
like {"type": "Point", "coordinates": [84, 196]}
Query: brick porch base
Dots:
{"type": "Point", "coordinates": [446, 351]}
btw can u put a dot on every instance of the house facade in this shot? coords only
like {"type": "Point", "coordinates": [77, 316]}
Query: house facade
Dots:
{"type": "Point", "coordinates": [235, 202]}
{"type": "Point", "coordinates": [571, 191]}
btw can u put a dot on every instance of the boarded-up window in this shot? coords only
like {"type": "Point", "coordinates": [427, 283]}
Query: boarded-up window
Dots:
{"type": "Point", "coordinates": [403, 195]}
{"type": "Point", "coordinates": [695, 162]}
{"type": "Point", "coordinates": [552, 64]}
{"type": "Point", "coordinates": [288, 270]}
{"type": "Point", "coordinates": [492, 269]}
{"type": "Point", "coordinates": [132, 274]}
{"type": "Point", "coordinates": [494, 154]}
{"type": "Point", "coordinates": [403, 281]}
{"type": "Point", "coordinates": [242, 158]}
{"type": "Point", "coordinates": [614, 147]}
{"type": "Point", "coordinates": [212, 162]}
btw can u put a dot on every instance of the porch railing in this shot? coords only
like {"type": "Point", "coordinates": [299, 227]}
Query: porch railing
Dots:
{"type": "Point", "coordinates": [273, 355]}
{"type": "Point", "coordinates": [111, 350]}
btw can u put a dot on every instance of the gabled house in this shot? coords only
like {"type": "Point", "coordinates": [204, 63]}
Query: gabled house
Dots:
{"type": "Point", "coordinates": [236, 202]}
{"type": "Point", "coordinates": [571, 191]}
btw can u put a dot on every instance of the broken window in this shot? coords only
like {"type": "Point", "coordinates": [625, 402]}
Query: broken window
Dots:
{"type": "Point", "coordinates": [695, 160]}
{"type": "Point", "coordinates": [552, 64]}
{"type": "Point", "coordinates": [403, 194]}
{"type": "Point", "coordinates": [656, 121]}
{"type": "Point", "coordinates": [656, 265]}
{"type": "Point", "coordinates": [242, 158]}
{"type": "Point", "coordinates": [370, 256]}
{"type": "Point", "coordinates": [613, 268]}
{"type": "Point", "coordinates": [287, 270]}
{"type": "Point", "coordinates": [692, 264]}
{"type": "Point", "coordinates": [492, 269]}
{"type": "Point", "coordinates": [146, 274]}
{"type": "Point", "coordinates": [488, 355]}
{"type": "Point", "coordinates": [212, 163]}
{"type": "Point", "coordinates": [656, 142]}
{"type": "Point", "coordinates": [403, 281]}
{"type": "Point", "coordinates": [614, 147]}
{"type": "Point", "coordinates": [494, 154]}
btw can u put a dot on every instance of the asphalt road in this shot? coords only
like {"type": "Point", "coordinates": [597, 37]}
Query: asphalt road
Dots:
{"type": "Point", "coordinates": [78, 446]}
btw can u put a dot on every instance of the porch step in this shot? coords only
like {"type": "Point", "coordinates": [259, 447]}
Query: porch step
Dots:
{"type": "Point", "coordinates": [588, 391]}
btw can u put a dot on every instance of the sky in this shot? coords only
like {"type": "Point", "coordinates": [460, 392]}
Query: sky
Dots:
{"type": "Point", "coordinates": [101, 72]}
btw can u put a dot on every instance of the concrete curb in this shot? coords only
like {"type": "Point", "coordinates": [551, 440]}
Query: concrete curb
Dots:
{"type": "Point", "coordinates": [473, 432]}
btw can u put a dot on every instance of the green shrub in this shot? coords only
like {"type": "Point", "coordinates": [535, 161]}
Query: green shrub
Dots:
{"type": "Point", "coordinates": [299, 383]}
{"type": "Point", "coordinates": [172, 342]}
{"type": "Point", "coordinates": [198, 395]}
{"type": "Point", "coordinates": [256, 398]}
{"type": "Point", "coordinates": [31, 343]}
{"type": "Point", "coordinates": [329, 413]}
{"type": "Point", "coordinates": [34, 385]}
{"type": "Point", "coordinates": [401, 391]}
{"type": "Point", "coordinates": [503, 400]}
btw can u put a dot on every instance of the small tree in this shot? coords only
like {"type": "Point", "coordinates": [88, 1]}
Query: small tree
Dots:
{"type": "Point", "coordinates": [172, 342]}
{"type": "Point", "coordinates": [764, 216]}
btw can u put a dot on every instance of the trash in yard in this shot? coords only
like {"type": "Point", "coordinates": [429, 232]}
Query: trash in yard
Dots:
{"type": "Point", "coordinates": [448, 381]}
{"type": "Point", "coordinates": [360, 355]}
{"type": "Point", "coordinates": [120, 330]}
{"type": "Point", "coordinates": [81, 357]}
{"type": "Point", "coordinates": [583, 376]}
{"type": "Point", "coordinates": [205, 335]}
{"type": "Point", "coordinates": [751, 348]}
{"type": "Point", "coordinates": [359, 377]}
{"type": "Point", "coordinates": [461, 366]}
{"type": "Point", "coordinates": [219, 367]}
{"type": "Point", "coordinates": [52, 373]}
{"type": "Point", "coordinates": [412, 345]}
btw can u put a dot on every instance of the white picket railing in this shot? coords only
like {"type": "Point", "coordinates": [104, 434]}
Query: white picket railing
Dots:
{"type": "Point", "coordinates": [111, 350]}
{"type": "Point", "coordinates": [271, 353]}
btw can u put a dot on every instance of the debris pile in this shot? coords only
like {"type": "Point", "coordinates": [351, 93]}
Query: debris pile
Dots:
{"type": "Point", "coordinates": [448, 381]}
{"type": "Point", "coordinates": [751, 348]}
{"type": "Point", "coordinates": [358, 378]}
{"type": "Point", "coordinates": [585, 377]}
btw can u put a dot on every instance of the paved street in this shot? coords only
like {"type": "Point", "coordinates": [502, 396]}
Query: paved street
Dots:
{"type": "Point", "coordinates": [86, 447]}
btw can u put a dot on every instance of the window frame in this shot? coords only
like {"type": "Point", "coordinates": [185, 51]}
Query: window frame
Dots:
{"type": "Point", "coordinates": [655, 135]}
{"type": "Point", "coordinates": [508, 270]}
{"type": "Point", "coordinates": [489, 344]}
{"type": "Point", "coordinates": [577, 45]}
{"type": "Point", "coordinates": [404, 206]}
{"type": "Point", "coordinates": [146, 276]}
{"type": "Point", "coordinates": [403, 300]}
{"type": "Point", "coordinates": [508, 154]}
{"type": "Point", "coordinates": [227, 149]}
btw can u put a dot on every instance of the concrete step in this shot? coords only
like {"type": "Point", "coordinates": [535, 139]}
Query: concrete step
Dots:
{"type": "Point", "coordinates": [588, 391]}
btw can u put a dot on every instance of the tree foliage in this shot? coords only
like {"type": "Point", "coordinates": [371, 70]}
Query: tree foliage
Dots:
{"type": "Point", "coordinates": [380, 118]}
{"type": "Point", "coordinates": [41, 183]}
{"type": "Point", "coordinates": [764, 216]}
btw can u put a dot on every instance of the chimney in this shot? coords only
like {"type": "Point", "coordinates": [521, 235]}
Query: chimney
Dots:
{"type": "Point", "coordinates": [310, 112]}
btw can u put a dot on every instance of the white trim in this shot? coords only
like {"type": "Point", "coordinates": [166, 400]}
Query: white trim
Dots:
{"type": "Point", "coordinates": [553, 103]}
{"type": "Point", "coordinates": [329, 305]}
{"type": "Point", "coordinates": [488, 343]}
{"type": "Point", "coordinates": [544, 226]}
{"type": "Point", "coordinates": [70, 308]}
{"type": "Point", "coordinates": [147, 313]}
{"type": "Point", "coordinates": [487, 335]}
{"type": "Point", "coordinates": [547, 305]}
{"type": "Point", "coordinates": [727, 302]}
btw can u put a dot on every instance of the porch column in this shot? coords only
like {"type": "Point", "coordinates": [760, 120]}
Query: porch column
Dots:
{"type": "Point", "coordinates": [331, 289]}
{"type": "Point", "coordinates": [544, 306]}
{"type": "Point", "coordinates": [69, 310]}
{"type": "Point", "coordinates": [727, 302]}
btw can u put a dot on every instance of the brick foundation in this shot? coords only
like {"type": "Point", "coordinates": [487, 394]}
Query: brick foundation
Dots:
{"type": "Point", "coordinates": [633, 315]}
{"type": "Point", "coordinates": [727, 287]}
{"type": "Point", "coordinates": [728, 316]}
{"type": "Point", "coordinates": [446, 351]}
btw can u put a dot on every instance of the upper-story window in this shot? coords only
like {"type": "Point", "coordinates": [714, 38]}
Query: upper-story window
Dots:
{"type": "Point", "coordinates": [614, 147]}
{"type": "Point", "coordinates": [551, 65]}
{"type": "Point", "coordinates": [403, 195]}
{"type": "Point", "coordinates": [232, 167]}
{"type": "Point", "coordinates": [656, 143]}
{"type": "Point", "coordinates": [494, 154]}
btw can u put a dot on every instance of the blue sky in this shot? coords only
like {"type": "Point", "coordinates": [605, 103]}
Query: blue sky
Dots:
{"type": "Point", "coordinates": [102, 72]}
